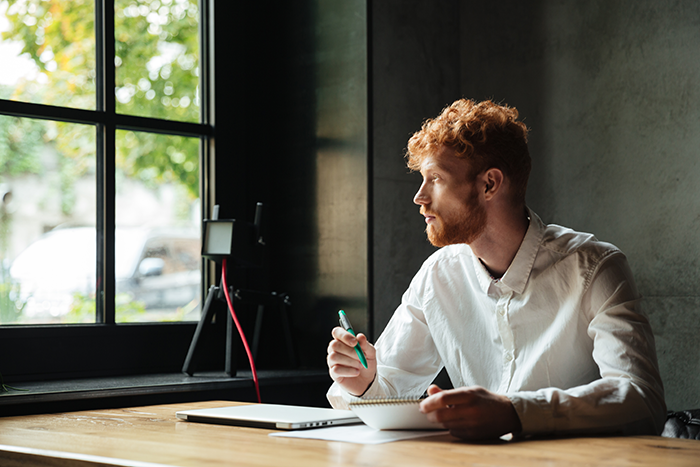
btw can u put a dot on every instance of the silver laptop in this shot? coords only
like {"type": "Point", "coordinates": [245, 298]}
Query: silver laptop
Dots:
{"type": "Point", "coordinates": [271, 416]}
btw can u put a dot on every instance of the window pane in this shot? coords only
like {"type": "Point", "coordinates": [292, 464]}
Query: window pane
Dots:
{"type": "Point", "coordinates": [47, 218]}
{"type": "Point", "coordinates": [157, 249]}
{"type": "Point", "coordinates": [47, 52]}
{"type": "Point", "coordinates": [157, 58]}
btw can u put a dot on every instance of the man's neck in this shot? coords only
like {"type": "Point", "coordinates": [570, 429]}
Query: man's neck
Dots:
{"type": "Point", "coordinates": [500, 242]}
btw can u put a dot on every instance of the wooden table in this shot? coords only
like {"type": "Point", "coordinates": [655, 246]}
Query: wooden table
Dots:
{"type": "Point", "coordinates": [152, 435]}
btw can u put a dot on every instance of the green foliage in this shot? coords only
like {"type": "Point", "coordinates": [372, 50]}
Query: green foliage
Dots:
{"type": "Point", "coordinates": [157, 57]}
{"type": "Point", "coordinates": [11, 306]}
{"type": "Point", "coordinates": [76, 144]}
{"type": "Point", "coordinates": [155, 159]}
{"type": "Point", "coordinates": [156, 75]}
{"type": "Point", "coordinates": [59, 36]}
{"type": "Point", "coordinates": [20, 142]}
{"type": "Point", "coordinates": [83, 309]}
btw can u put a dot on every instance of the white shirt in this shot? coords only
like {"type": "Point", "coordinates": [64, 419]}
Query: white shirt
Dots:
{"type": "Point", "coordinates": [560, 334]}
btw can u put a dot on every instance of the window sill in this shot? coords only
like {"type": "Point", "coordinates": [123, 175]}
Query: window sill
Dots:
{"type": "Point", "coordinates": [300, 387]}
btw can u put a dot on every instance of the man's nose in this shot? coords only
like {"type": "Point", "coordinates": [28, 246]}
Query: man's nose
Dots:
{"type": "Point", "coordinates": [421, 197]}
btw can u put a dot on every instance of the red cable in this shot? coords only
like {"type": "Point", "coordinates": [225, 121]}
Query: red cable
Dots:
{"type": "Point", "coordinates": [240, 330]}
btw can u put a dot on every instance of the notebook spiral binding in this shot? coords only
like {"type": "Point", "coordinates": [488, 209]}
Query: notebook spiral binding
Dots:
{"type": "Point", "coordinates": [374, 401]}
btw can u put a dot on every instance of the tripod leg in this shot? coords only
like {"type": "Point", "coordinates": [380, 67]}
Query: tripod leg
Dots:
{"type": "Point", "coordinates": [230, 366]}
{"type": "Point", "coordinates": [258, 328]}
{"type": "Point", "coordinates": [207, 314]}
{"type": "Point", "coordinates": [287, 331]}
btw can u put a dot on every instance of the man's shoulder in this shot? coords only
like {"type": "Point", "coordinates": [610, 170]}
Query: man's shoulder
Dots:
{"type": "Point", "coordinates": [450, 261]}
{"type": "Point", "coordinates": [564, 241]}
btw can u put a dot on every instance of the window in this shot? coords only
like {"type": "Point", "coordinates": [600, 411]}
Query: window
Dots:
{"type": "Point", "coordinates": [104, 135]}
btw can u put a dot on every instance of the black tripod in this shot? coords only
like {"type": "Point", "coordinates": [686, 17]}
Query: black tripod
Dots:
{"type": "Point", "coordinates": [262, 300]}
{"type": "Point", "coordinates": [242, 242]}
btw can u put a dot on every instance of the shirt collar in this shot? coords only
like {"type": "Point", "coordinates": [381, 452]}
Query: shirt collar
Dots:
{"type": "Point", "coordinates": [482, 274]}
{"type": "Point", "coordinates": [518, 272]}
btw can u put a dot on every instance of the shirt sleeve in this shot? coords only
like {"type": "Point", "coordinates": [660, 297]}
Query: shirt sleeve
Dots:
{"type": "Point", "coordinates": [407, 358]}
{"type": "Point", "coordinates": [628, 398]}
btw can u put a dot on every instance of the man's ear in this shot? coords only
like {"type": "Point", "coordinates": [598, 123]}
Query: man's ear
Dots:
{"type": "Point", "coordinates": [493, 182]}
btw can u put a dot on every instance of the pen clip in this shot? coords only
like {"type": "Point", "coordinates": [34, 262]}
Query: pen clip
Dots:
{"type": "Point", "coordinates": [345, 322]}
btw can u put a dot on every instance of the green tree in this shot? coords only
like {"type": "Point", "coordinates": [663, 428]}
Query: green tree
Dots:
{"type": "Point", "coordinates": [19, 146]}
{"type": "Point", "coordinates": [157, 75]}
{"type": "Point", "coordinates": [20, 142]}
{"type": "Point", "coordinates": [83, 309]}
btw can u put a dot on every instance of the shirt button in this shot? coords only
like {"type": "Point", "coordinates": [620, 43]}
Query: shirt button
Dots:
{"type": "Point", "coordinates": [502, 311]}
{"type": "Point", "coordinates": [508, 356]}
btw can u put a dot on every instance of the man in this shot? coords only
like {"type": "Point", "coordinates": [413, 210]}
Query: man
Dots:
{"type": "Point", "coordinates": [538, 326]}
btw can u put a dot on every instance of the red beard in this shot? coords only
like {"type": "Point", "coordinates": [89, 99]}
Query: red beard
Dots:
{"type": "Point", "coordinates": [466, 229]}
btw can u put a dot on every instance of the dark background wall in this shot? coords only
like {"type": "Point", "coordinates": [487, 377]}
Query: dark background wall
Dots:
{"type": "Point", "coordinates": [415, 72]}
{"type": "Point", "coordinates": [610, 90]}
{"type": "Point", "coordinates": [295, 137]}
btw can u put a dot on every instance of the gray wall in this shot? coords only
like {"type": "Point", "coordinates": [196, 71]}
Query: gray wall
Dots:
{"type": "Point", "coordinates": [415, 71]}
{"type": "Point", "coordinates": [610, 90]}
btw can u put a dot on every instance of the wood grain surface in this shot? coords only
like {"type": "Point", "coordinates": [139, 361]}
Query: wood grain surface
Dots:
{"type": "Point", "coordinates": [152, 435]}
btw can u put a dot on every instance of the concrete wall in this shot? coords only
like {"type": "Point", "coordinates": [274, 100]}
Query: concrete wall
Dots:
{"type": "Point", "coordinates": [415, 71]}
{"type": "Point", "coordinates": [610, 90]}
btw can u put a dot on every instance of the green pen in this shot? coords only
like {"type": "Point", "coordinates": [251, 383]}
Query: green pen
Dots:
{"type": "Point", "coordinates": [345, 324]}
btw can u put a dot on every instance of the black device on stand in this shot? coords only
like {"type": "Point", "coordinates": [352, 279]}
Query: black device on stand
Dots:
{"type": "Point", "coordinates": [241, 243]}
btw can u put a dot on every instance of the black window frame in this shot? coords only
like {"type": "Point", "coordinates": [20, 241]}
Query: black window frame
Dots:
{"type": "Point", "coordinates": [107, 348]}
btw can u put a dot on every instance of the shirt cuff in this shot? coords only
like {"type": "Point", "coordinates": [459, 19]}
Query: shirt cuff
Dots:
{"type": "Point", "coordinates": [535, 418]}
{"type": "Point", "coordinates": [340, 398]}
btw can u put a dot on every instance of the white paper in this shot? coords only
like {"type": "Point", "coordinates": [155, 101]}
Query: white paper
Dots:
{"type": "Point", "coordinates": [360, 434]}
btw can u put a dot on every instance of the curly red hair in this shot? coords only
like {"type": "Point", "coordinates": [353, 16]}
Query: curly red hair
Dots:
{"type": "Point", "coordinates": [487, 134]}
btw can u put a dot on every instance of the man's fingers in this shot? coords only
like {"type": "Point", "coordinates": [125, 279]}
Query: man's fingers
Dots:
{"type": "Point", "coordinates": [472, 413]}
{"type": "Point", "coordinates": [343, 336]}
{"type": "Point", "coordinates": [452, 417]}
{"type": "Point", "coordinates": [341, 371]}
{"type": "Point", "coordinates": [344, 364]}
{"type": "Point", "coordinates": [338, 347]}
{"type": "Point", "coordinates": [440, 399]}
{"type": "Point", "coordinates": [345, 343]}
{"type": "Point", "coordinates": [367, 348]}
{"type": "Point", "coordinates": [341, 365]}
{"type": "Point", "coordinates": [342, 359]}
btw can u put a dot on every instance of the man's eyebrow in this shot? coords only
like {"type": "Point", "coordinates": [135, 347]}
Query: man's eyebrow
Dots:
{"type": "Point", "coordinates": [435, 167]}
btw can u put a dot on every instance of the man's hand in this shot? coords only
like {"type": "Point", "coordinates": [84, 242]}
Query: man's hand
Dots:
{"type": "Point", "coordinates": [344, 365]}
{"type": "Point", "coordinates": [471, 413]}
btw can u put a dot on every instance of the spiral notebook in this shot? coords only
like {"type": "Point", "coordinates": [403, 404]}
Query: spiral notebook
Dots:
{"type": "Point", "coordinates": [393, 414]}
